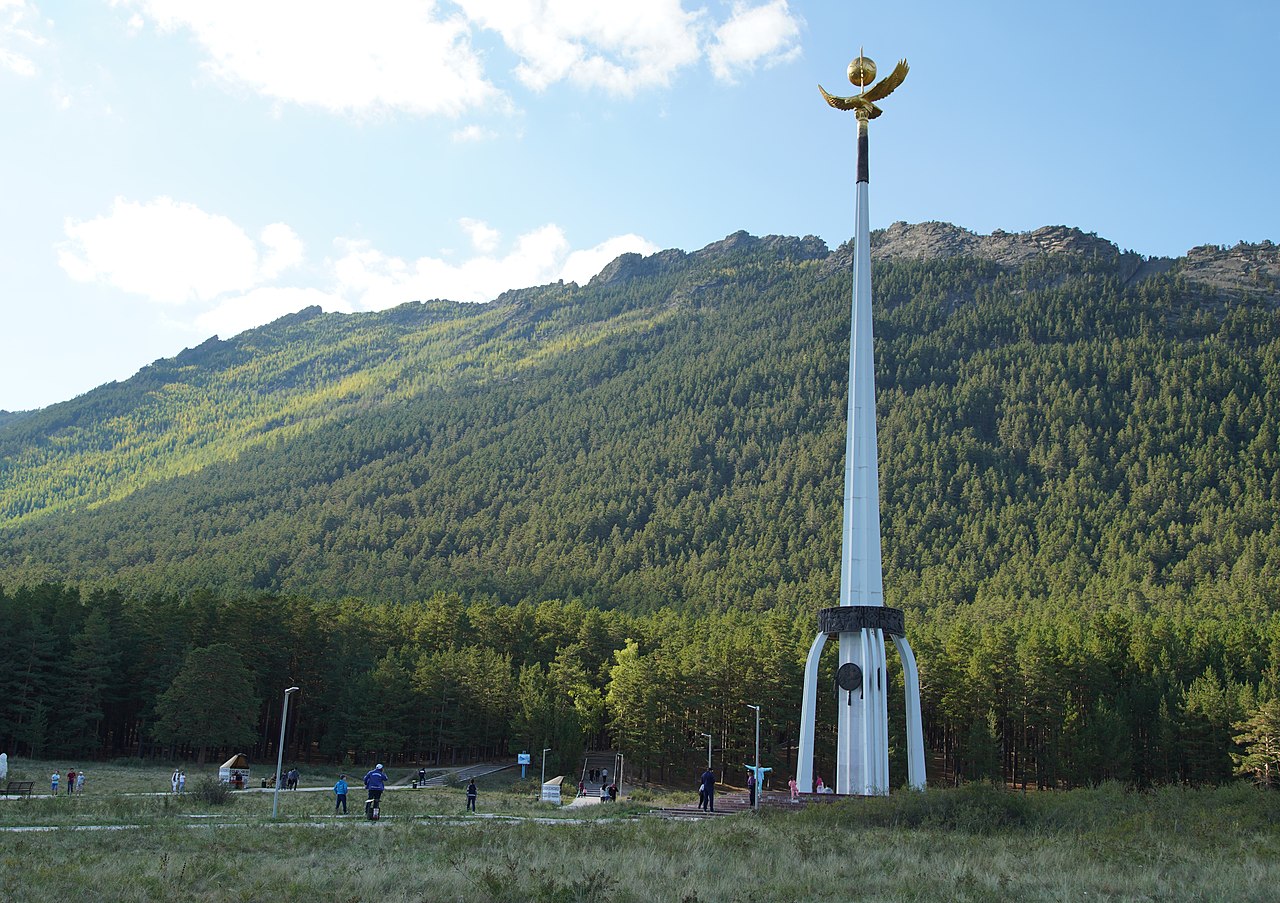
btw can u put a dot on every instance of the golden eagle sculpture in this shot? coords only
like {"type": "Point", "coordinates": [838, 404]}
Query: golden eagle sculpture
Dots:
{"type": "Point", "coordinates": [861, 72]}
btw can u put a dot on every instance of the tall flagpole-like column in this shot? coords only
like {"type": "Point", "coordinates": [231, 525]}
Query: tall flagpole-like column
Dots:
{"type": "Point", "coordinates": [861, 621]}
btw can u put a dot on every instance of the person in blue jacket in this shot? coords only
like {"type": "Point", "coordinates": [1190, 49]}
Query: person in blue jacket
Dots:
{"type": "Point", "coordinates": [709, 790]}
{"type": "Point", "coordinates": [375, 782]}
{"type": "Point", "coordinates": [340, 795]}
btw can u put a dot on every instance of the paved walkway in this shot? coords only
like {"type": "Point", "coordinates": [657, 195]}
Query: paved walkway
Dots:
{"type": "Point", "coordinates": [333, 821]}
{"type": "Point", "coordinates": [462, 773]}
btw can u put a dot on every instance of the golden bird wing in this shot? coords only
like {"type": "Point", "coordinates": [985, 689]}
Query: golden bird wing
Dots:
{"type": "Point", "coordinates": [886, 85]}
{"type": "Point", "coordinates": [840, 103]}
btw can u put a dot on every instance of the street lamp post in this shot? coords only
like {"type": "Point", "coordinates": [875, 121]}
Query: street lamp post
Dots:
{"type": "Point", "coordinates": [284, 717]}
{"type": "Point", "coordinates": [544, 764]}
{"type": "Point", "coordinates": [756, 773]}
{"type": "Point", "coordinates": [708, 736]}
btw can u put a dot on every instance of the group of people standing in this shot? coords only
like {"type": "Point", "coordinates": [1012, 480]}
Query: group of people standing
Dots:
{"type": "Point", "coordinates": [375, 782]}
{"type": "Point", "coordinates": [707, 790]}
{"type": "Point", "coordinates": [74, 784]}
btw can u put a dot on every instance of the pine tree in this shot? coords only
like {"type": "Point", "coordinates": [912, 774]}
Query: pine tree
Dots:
{"type": "Point", "coordinates": [1260, 738]}
{"type": "Point", "coordinates": [210, 703]}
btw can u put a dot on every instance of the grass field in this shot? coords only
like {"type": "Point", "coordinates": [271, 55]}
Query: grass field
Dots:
{"type": "Point", "coordinates": [974, 843]}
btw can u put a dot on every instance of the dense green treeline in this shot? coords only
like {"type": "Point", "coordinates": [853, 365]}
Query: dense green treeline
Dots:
{"type": "Point", "coordinates": [1040, 699]}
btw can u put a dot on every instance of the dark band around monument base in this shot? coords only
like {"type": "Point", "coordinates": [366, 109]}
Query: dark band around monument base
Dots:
{"type": "Point", "coordinates": [852, 618]}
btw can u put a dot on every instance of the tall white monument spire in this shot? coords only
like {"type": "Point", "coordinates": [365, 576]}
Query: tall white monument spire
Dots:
{"type": "Point", "coordinates": [862, 620]}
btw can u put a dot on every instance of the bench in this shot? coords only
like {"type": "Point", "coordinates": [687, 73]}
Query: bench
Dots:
{"type": "Point", "coordinates": [19, 788]}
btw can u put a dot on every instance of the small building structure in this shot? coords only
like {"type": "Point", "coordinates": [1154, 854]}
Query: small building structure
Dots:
{"type": "Point", "coordinates": [235, 772]}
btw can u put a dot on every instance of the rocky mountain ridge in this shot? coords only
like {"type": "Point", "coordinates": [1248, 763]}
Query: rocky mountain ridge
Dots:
{"type": "Point", "coordinates": [1246, 268]}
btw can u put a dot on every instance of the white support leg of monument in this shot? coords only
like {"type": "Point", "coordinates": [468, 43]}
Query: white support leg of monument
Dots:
{"type": "Point", "coordinates": [850, 718]}
{"type": "Point", "coordinates": [808, 715]}
{"type": "Point", "coordinates": [915, 726]}
{"type": "Point", "coordinates": [883, 716]}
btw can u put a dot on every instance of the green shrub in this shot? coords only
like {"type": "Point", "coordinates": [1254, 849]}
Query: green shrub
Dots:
{"type": "Point", "coordinates": [211, 791]}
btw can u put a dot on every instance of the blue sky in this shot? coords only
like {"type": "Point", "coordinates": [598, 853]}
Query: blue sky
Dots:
{"type": "Point", "coordinates": [175, 169]}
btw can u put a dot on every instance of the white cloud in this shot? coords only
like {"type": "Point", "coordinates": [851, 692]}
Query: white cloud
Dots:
{"type": "Point", "coordinates": [582, 265]}
{"type": "Point", "coordinates": [18, 38]}
{"type": "Point", "coordinates": [768, 34]}
{"type": "Point", "coordinates": [620, 47]}
{"type": "Point", "coordinates": [285, 249]}
{"type": "Point", "coordinates": [426, 57]}
{"type": "Point", "coordinates": [17, 63]}
{"type": "Point", "coordinates": [168, 251]}
{"type": "Point", "coordinates": [483, 238]}
{"type": "Point", "coordinates": [473, 133]}
{"type": "Point", "coordinates": [262, 305]}
{"type": "Point", "coordinates": [344, 57]}
{"type": "Point", "coordinates": [376, 281]}
{"type": "Point", "coordinates": [217, 276]}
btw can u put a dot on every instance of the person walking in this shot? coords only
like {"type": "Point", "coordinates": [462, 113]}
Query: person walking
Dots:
{"type": "Point", "coordinates": [709, 789]}
{"type": "Point", "coordinates": [751, 789]}
{"type": "Point", "coordinates": [374, 783]}
{"type": "Point", "coordinates": [173, 781]}
{"type": "Point", "coordinates": [80, 781]}
{"type": "Point", "coordinates": [71, 782]}
{"type": "Point", "coordinates": [182, 781]}
{"type": "Point", "coordinates": [794, 788]}
{"type": "Point", "coordinates": [472, 793]}
{"type": "Point", "coordinates": [54, 779]}
{"type": "Point", "coordinates": [340, 795]}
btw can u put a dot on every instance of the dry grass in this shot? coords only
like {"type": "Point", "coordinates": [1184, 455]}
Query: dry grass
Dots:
{"type": "Point", "coordinates": [973, 844]}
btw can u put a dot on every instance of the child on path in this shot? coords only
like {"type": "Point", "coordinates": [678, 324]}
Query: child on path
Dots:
{"type": "Point", "coordinates": [182, 781]}
{"type": "Point", "coordinates": [54, 779]}
{"type": "Point", "coordinates": [80, 781]}
{"type": "Point", "coordinates": [340, 795]}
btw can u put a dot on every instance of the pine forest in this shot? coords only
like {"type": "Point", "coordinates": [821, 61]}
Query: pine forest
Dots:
{"type": "Point", "coordinates": [605, 516]}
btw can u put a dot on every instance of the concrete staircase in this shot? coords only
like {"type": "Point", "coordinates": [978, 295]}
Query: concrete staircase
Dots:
{"type": "Point", "coordinates": [736, 801]}
{"type": "Point", "coordinates": [597, 760]}
{"type": "Point", "coordinates": [729, 803]}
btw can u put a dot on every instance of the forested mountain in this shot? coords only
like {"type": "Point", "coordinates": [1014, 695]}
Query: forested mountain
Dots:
{"type": "Point", "coordinates": [1079, 471]}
